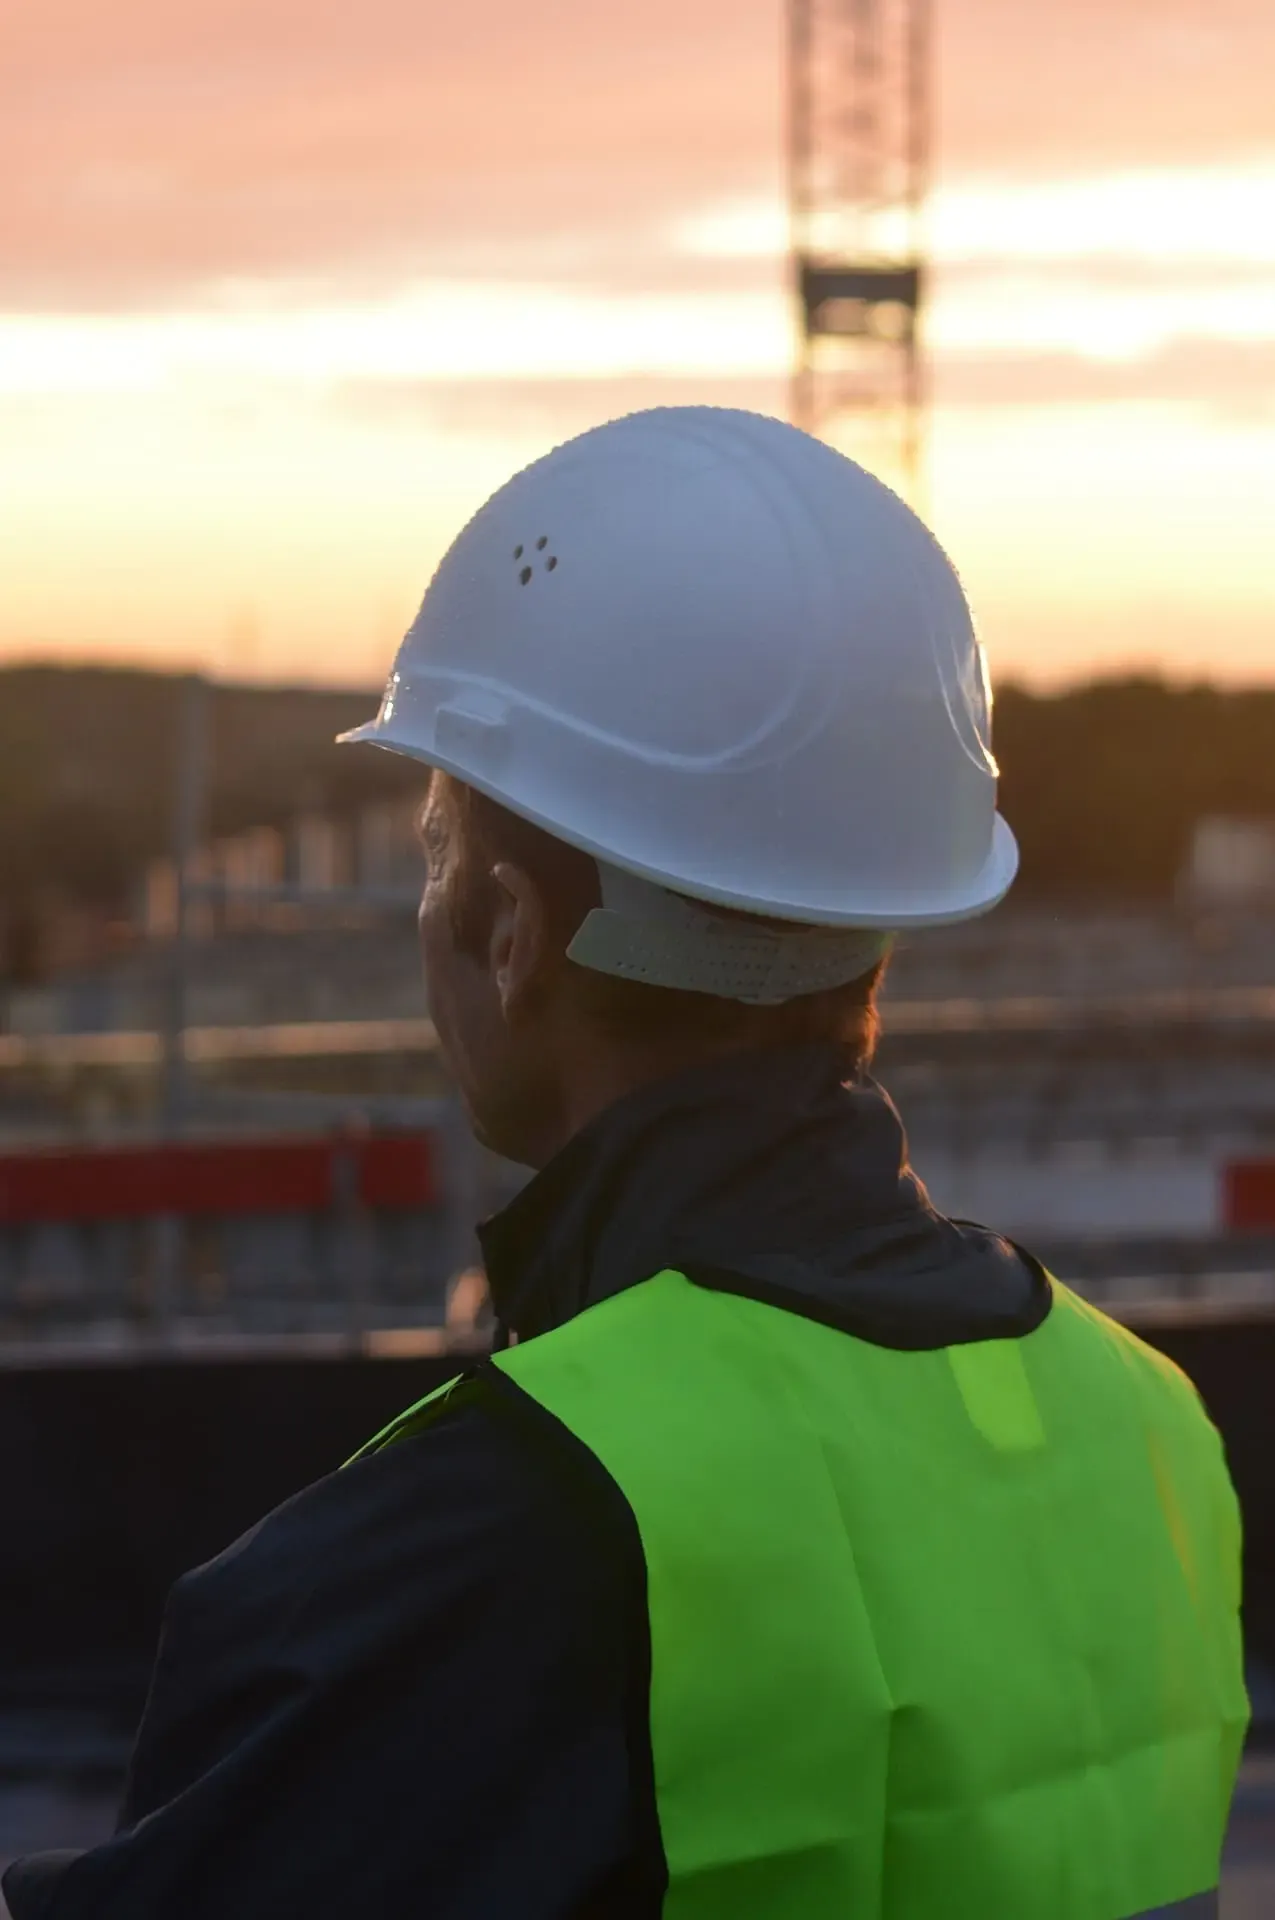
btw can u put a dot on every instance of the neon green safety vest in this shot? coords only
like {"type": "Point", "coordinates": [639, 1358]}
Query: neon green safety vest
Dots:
{"type": "Point", "coordinates": [947, 1633]}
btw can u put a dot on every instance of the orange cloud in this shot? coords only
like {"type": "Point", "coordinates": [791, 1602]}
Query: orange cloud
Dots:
{"type": "Point", "coordinates": [1235, 379]}
{"type": "Point", "coordinates": [152, 151]}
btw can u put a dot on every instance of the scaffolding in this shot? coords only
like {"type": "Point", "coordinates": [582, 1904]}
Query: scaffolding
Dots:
{"type": "Point", "coordinates": [858, 152]}
{"type": "Point", "coordinates": [466, 1180]}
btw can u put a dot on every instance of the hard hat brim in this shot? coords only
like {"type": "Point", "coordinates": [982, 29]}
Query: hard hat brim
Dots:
{"type": "Point", "coordinates": [896, 914]}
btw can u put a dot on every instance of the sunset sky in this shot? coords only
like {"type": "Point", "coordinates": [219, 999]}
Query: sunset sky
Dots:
{"type": "Point", "coordinates": [287, 289]}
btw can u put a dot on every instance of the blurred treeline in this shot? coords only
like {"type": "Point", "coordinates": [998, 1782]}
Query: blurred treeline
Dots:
{"type": "Point", "coordinates": [1102, 784]}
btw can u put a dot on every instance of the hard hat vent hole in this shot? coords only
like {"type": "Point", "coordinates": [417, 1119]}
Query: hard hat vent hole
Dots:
{"type": "Point", "coordinates": [525, 571]}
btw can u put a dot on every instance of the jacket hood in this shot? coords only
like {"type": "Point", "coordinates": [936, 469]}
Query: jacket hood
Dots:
{"type": "Point", "coordinates": [770, 1173]}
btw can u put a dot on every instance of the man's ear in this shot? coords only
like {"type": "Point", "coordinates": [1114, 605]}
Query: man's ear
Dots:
{"type": "Point", "coordinates": [518, 955]}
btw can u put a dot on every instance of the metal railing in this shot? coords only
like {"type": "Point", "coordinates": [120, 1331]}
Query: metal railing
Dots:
{"type": "Point", "coordinates": [316, 1039]}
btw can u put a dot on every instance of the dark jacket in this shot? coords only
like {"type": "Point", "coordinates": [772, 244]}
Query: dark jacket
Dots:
{"type": "Point", "coordinates": [420, 1686]}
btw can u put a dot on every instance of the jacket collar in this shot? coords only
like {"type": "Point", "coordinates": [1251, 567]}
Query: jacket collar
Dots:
{"type": "Point", "coordinates": [775, 1172]}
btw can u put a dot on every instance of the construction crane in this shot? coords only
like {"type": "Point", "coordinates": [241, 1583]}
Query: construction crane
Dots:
{"type": "Point", "coordinates": [858, 152]}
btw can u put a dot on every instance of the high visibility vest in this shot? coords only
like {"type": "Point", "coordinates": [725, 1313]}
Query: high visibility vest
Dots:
{"type": "Point", "coordinates": [935, 1635]}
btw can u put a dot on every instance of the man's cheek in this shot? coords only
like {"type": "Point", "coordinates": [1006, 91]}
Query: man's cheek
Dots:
{"type": "Point", "coordinates": [432, 929]}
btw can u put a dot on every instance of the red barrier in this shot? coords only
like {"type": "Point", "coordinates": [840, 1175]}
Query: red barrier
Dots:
{"type": "Point", "coordinates": [1248, 1196]}
{"type": "Point", "coordinates": [222, 1177]}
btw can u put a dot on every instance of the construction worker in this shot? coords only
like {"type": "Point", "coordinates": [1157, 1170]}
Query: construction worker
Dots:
{"type": "Point", "coordinates": [799, 1553]}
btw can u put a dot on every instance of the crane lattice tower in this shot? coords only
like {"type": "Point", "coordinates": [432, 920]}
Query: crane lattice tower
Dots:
{"type": "Point", "coordinates": [859, 111]}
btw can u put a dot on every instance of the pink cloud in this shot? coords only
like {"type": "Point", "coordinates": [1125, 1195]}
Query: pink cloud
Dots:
{"type": "Point", "coordinates": [150, 150]}
{"type": "Point", "coordinates": [1233, 378]}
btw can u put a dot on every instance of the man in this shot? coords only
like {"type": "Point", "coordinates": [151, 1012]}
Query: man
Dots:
{"type": "Point", "coordinates": [799, 1553]}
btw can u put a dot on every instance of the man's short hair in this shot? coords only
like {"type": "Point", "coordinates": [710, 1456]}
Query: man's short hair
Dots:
{"type": "Point", "coordinates": [567, 879]}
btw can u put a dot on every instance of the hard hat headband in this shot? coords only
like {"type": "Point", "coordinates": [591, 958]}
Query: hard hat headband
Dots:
{"type": "Point", "coordinates": [644, 932]}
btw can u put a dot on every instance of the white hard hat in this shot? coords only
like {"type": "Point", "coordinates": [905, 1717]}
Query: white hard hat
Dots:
{"type": "Point", "coordinates": [717, 655]}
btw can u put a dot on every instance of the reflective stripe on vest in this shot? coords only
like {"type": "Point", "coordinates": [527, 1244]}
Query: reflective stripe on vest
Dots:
{"type": "Point", "coordinates": [941, 1632]}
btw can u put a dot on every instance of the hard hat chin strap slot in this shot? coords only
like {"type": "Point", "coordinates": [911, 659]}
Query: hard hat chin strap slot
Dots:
{"type": "Point", "coordinates": [643, 932]}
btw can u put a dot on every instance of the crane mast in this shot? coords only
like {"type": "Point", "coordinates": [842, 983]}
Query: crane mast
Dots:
{"type": "Point", "coordinates": [858, 164]}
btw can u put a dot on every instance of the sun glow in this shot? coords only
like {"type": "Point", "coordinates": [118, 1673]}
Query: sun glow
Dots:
{"type": "Point", "coordinates": [309, 460]}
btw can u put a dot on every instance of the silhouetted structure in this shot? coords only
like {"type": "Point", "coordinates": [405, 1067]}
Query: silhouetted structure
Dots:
{"type": "Point", "coordinates": [858, 161]}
